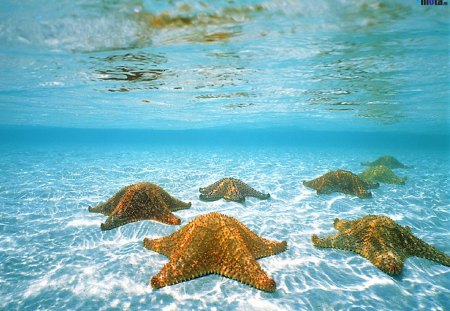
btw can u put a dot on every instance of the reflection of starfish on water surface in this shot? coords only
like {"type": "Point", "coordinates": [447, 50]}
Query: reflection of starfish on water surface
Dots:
{"type": "Point", "coordinates": [141, 201]}
{"type": "Point", "coordinates": [341, 181]}
{"type": "Point", "coordinates": [231, 189]}
{"type": "Point", "coordinates": [382, 241]}
{"type": "Point", "coordinates": [214, 243]}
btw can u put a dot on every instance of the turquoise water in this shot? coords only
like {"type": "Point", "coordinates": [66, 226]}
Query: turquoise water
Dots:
{"type": "Point", "coordinates": [94, 97]}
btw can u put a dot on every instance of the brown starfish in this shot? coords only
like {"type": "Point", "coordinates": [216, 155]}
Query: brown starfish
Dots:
{"type": "Point", "coordinates": [139, 202]}
{"type": "Point", "coordinates": [231, 189]}
{"type": "Point", "coordinates": [214, 243]}
{"type": "Point", "coordinates": [341, 181]}
{"type": "Point", "coordinates": [382, 241]}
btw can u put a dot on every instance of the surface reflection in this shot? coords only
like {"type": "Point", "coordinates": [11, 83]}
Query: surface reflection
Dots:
{"type": "Point", "coordinates": [141, 70]}
{"type": "Point", "coordinates": [362, 77]}
{"type": "Point", "coordinates": [209, 57]}
{"type": "Point", "coordinates": [203, 23]}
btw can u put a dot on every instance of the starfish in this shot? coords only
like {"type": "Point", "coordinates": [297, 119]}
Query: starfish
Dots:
{"type": "Point", "coordinates": [388, 161]}
{"type": "Point", "coordinates": [231, 189]}
{"type": "Point", "coordinates": [341, 181]}
{"type": "Point", "coordinates": [214, 244]}
{"type": "Point", "coordinates": [139, 202]}
{"type": "Point", "coordinates": [381, 173]}
{"type": "Point", "coordinates": [382, 241]}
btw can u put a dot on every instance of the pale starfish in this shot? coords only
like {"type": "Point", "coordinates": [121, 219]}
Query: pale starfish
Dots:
{"type": "Point", "coordinates": [382, 241]}
{"type": "Point", "coordinates": [231, 189]}
{"type": "Point", "coordinates": [141, 201]}
{"type": "Point", "coordinates": [381, 173]}
{"type": "Point", "coordinates": [218, 244]}
{"type": "Point", "coordinates": [388, 161]}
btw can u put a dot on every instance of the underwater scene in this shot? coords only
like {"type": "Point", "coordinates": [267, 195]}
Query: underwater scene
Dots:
{"type": "Point", "coordinates": [224, 155]}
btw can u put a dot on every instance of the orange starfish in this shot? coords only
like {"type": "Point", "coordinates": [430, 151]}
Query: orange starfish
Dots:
{"type": "Point", "coordinates": [214, 243]}
{"type": "Point", "coordinates": [140, 201]}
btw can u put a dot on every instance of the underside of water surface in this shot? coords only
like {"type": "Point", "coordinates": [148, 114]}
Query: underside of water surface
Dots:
{"type": "Point", "coordinates": [98, 96]}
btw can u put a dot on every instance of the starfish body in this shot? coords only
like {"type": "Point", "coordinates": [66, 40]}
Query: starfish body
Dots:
{"type": "Point", "coordinates": [341, 181]}
{"type": "Point", "coordinates": [388, 161]}
{"type": "Point", "coordinates": [231, 189]}
{"type": "Point", "coordinates": [141, 201]}
{"type": "Point", "coordinates": [382, 241]}
{"type": "Point", "coordinates": [383, 174]}
{"type": "Point", "coordinates": [214, 244]}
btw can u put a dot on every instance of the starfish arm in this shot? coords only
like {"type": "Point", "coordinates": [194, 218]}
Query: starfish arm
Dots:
{"type": "Point", "coordinates": [398, 180]}
{"type": "Point", "coordinates": [179, 269]}
{"type": "Point", "coordinates": [335, 241]}
{"type": "Point", "coordinates": [160, 246]}
{"type": "Point", "coordinates": [323, 184]}
{"type": "Point", "coordinates": [422, 249]}
{"type": "Point", "coordinates": [386, 259]}
{"type": "Point", "coordinates": [352, 184]}
{"type": "Point", "coordinates": [248, 191]}
{"type": "Point", "coordinates": [106, 208]}
{"type": "Point", "coordinates": [132, 204]}
{"type": "Point", "coordinates": [236, 197]}
{"type": "Point", "coordinates": [390, 262]}
{"type": "Point", "coordinates": [211, 187]}
{"type": "Point", "coordinates": [259, 247]}
{"type": "Point", "coordinates": [244, 268]}
{"type": "Point", "coordinates": [363, 194]}
{"type": "Point", "coordinates": [210, 197]}
{"type": "Point", "coordinates": [310, 184]}
{"type": "Point", "coordinates": [165, 216]}
{"type": "Point", "coordinates": [190, 251]}
{"type": "Point", "coordinates": [176, 204]}
{"type": "Point", "coordinates": [233, 191]}
{"type": "Point", "coordinates": [173, 203]}
{"type": "Point", "coordinates": [119, 215]}
{"type": "Point", "coordinates": [324, 190]}
{"type": "Point", "coordinates": [219, 191]}
{"type": "Point", "coordinates": [113, 222]}
{"type": "Point", "coordinates": [343, 225]}
{"type": "Point", "coordinates": [169, 244]}
{"type": "Point", "coordinates": [371, 185]}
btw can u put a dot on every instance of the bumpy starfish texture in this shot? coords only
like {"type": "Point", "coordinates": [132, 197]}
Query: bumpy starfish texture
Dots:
{"type": "Point", "coordinates": [383, 174]}
{"type": "Point", "coordinates": [382, 241]}
{"type": "Point", "coordinates": [341, 181]}
{"type": "Point", "coordinates": [214, 244]}
{"type": "Point", "coordinates": [231, 189]}
{"type": "Point", "coordinates": [388, 161]}
{"type": "Point", "coordinates": [141, 201]}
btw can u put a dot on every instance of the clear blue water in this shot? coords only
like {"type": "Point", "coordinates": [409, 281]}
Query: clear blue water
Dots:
{"type": "Point", "coordinates": [94, 97]}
